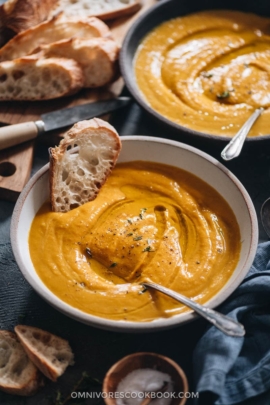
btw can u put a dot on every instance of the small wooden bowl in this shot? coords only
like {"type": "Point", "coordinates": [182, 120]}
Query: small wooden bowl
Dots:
{"type": "Point", "coordinates": [145, 360]}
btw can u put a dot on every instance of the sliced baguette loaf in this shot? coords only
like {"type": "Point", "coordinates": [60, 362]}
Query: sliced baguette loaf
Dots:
{"type": "Point", "coordinates": [56, 29]}
{"type": "Point", "coordinates": [19, 15]}
{"type": "Point", "coordinates": [51, 354]}
{"type": "Point", "coordinates": [76, 178]}
{"type": "Point", "coordinates": [18, 375]}
{"type": "Point", "coordinates": [32, 78]}
{"type": "Point", "coordinates": [103, 9]}
{"type": "Point", "coordinates": [98, 58]}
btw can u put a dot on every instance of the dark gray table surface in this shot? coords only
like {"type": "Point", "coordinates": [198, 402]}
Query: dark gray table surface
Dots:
{"type": "Point", "coordinates": [96, 350]}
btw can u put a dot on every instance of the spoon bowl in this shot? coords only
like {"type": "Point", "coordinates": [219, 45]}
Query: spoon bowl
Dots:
{"type": "Point", "coordinates": [234, 147]}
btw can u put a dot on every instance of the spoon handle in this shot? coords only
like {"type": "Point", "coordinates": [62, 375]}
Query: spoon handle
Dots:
{"type": "Point", "coordinates": [234, 147]}
{"type": "Point", "coordinates": [222, 322]}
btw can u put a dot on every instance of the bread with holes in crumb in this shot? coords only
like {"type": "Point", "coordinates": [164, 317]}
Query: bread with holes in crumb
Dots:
{"type": "Point", "coordinates": [56, 29]}
{"type": "Point", "coordinates": [34, 78]}
{"type": "Point", "coordinates": [98, 58]}
{"type": "Point", "coordinates": [103, 9]}
{"type": "Point", "coordinates": [76, 178]}
{"type": "Point", "coordinates": [50, 353]}
{"type": "Point", "coordinates": [19, 15]}
{"type": "Point", "coordinates": [18, 375]}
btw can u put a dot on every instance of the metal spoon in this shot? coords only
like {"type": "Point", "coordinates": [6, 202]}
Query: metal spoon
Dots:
{"type": "Point", "coordinates": [222, 322]}
{"type": "Point", "coordinates": [234, 147]}
{"type": "Point", "coordinates": [265, 216]}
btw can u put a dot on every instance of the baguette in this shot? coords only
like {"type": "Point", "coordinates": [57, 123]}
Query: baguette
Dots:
{"type": "Point", "coordinates": [98, 58]}
{"type": "Point", "coordinates": [102, 8]}
{"type": "Point", "coordinates": [32, 78]}
{"type": "Point", "coordinates": [77, 178]}
{"type": "Point", "coordinates": [19, 15]}
{"type": "Point", "coordinates": [51, 354]}
{"type": "Point", "coordinates": [56, 29]}
{"type": "Point", "coordinates": [18, 375]}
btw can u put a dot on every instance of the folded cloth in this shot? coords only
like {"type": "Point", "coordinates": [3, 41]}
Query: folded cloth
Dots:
{"type": "Point", "coordinates": [231, 370]}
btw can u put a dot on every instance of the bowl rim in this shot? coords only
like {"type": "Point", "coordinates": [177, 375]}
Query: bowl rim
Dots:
{"type": "Point", "coordinates": [131, 326]}
{"type": "Point", "coordinates": [114, 367]}
{"type": "Point", "coordinates": [130, 82]}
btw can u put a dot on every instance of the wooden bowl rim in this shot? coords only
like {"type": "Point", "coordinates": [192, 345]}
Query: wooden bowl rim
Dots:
{"type": "Point", "coordinates": [180, 371]}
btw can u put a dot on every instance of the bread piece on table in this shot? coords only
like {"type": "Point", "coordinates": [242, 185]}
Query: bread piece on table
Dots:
{"type": "Point", "coordinates": [19, 15]}
{"type": "Point", "coordinates": [98, 58]}
{"type": "Point", "coordinates": [77, 178]}
{"type": "Point", "coordinates": [103, 9]}
{"type": "Point", "coordinates": [18, 375]}
{"type": "Point", "coordinates": [56, 29]}
{"type": "Point", "coordinates": [51, 354]}
{"type": "Point", "coordinates": [32, 78]}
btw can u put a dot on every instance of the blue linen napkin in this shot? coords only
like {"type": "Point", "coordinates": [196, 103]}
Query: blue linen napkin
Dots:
{"type": "Point", "coordinates": [231, 370]}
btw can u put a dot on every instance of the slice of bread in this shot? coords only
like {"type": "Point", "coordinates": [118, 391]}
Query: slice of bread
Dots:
{"type": "Point", "coordinates": [56, 29]}
{"type": "Point", "coordinates": [51, 354]}
{"type": "Point", "coordinates": [76, 178]}
{"type": "Point", "coordinates": [98, 58]}
{"type": "Point", "coordinates": [19, 15]}
{"type": "Point", "coordinates": [103, 9]}
{"type": "Point", "coordinates": [32, 78]}
{"type": "Point", "coordinates": [18, 375]}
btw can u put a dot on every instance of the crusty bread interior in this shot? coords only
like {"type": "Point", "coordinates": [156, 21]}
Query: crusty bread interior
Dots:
{"type": "Point", "coordinates": [19, 15]}
{"type": "Point", "coordinates": [56, 29]}
{"type": "Point", "coordinates": [18, 375]}
{"type": "Point", "coordinates": [51, 354]}
{"type": "Point", "coordinates": [100, 8]}
{"type": "Point", "coordinates": [76, 178]}
{"type": "Point", "coordinates": [97, 57]}
{"type": "Point", "coordinates": [31, 78]}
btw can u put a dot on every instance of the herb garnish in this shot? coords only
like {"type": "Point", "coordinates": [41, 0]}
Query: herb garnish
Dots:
{"type": "Point", "coordinates": [130, 234]}
{"type": "Point", "coordinates": [88, 251]}
{"type": "Point", "coordinates": [207, 75]}
{"type": "Point", "coordinates": [224, 94]}
{"type": "Point", "coordinates": [113, 264]}
{"type": "Point", "coordinates": [84, 384]}
{"type": "Point", "coordinates": [148, 249]}
{"type": "Point", "coordinates": [129, 221]}
{"type": "Point", "coordinates": [142, 212]}
{"type": "Point", "coordinates": [137, 238]}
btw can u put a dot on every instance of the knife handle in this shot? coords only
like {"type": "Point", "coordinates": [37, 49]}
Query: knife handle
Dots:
{"type": "Point", "coordinates": [14, 134]}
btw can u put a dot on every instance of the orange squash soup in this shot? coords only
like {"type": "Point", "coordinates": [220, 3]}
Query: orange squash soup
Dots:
{"type": "Point", "coordinates": [208, 71]}
{"type": "Point", "coordinates": [150, 222]}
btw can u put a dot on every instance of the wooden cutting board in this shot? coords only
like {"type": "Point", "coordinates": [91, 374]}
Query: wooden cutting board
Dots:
{"type": "Point", "coordinates": [16, 162]}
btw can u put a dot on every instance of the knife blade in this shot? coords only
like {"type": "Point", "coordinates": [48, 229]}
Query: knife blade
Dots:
{"type": "Point", "coordinates": [15, 134]}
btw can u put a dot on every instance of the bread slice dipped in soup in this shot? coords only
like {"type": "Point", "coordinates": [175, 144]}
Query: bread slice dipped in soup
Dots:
{"type": "Point", "coordinates": [148, 222]}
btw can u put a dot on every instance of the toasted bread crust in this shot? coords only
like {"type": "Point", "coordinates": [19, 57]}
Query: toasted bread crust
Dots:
{"type": "Point", "coordinates": [19, 15]}
{"type": "Point", "coordinates": [34, 380]}
{"type": "Point", "coordinates": [56, 29]}
{"type": "Point", "coordinates": [65, 78]}
{"type": "Point", "coordinates": [57, 153]}
{"type": "Point", "coordinates": [116, 11]}
{"type": "Point", "coordinates": [98, 57]}
{"type": "Point", "coordinates": [132, 8]}
{"type": "Point", "coordinates": [44, 364]}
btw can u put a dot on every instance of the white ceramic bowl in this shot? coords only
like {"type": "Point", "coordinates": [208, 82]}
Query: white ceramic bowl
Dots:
{"type": "Point", "coordinates": [146, 148]}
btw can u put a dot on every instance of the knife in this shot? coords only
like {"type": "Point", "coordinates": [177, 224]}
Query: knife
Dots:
{"type": "Point", "coordinates": [11, 135]}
